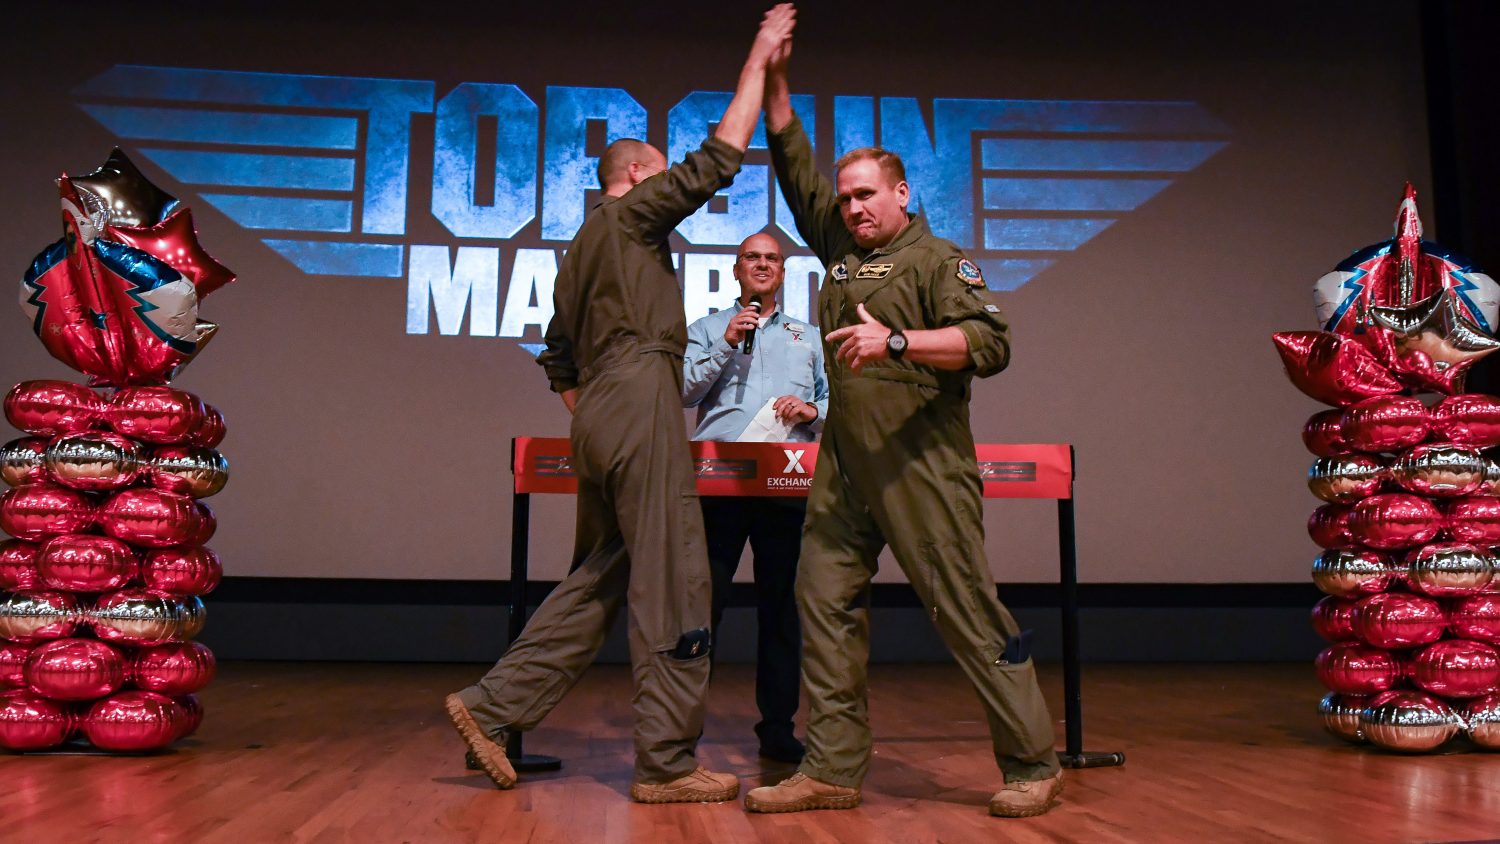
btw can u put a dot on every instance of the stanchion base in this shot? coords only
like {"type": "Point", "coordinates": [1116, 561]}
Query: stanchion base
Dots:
{"type": "Point", "coordinates": [1091, 760]}
{"type": "Point", "coordinates": [528, 763]}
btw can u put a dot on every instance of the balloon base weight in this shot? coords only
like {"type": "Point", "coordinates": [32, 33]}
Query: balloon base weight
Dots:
{"type": "Point", "coordinates": [1091, 760]}
{"type": "Point", "coordinates": [528, 763]}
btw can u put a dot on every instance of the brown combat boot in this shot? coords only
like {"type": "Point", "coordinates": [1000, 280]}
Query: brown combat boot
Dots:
{"type": "Point", "coordinates": [1026, 799]}
{"type": "Point", "coordinates": [490, 756]}
{"type": "Point", "coordinates": [800, 792]}
{"type": "Point", "coordinates": [701, 786]}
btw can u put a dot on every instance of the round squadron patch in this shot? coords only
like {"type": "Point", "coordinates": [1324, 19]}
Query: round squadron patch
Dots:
{"type": "Point", "coordinates": [968, 273]}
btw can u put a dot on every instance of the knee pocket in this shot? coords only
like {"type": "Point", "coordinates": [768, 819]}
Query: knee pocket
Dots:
{"type": "Point", "coordinates": [692, 645]}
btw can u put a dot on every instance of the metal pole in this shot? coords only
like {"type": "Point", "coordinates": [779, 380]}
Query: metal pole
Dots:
{"type": "Point", "coordinates": [1073, 755]}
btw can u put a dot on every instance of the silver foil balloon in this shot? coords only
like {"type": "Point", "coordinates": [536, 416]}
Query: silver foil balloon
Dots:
{"type": "Point", "coordinates": [1345, 479]}
{"type": "Point", "coordinates": [1352, 573]}
{"type": "Point", "coordinates": [29, 617]}
{"type": "Point", "coordinates": [1438, 332]}
{"type": "Point", "coordinates": [189, 470]}
{"type": "Point", "coordinates": [136, 617]}
{"type": "Point", "coordinates": [1408, 721]}
{"type": "Point", "coordinates": [1449, 569]}
{"type": "Point", "coordinates": [93, 460]}
{"type": "Point", "coordinates": [1340, 715]}
{"type": "Point", "coordinates": [191, 615]}
{"type": "Point", "coordinates": [21, 461]}
{"type": "Point", "coordinates": [1482, 721]}
{"type": "Point", "coordinates": [1491, 484]}
{"type": "Point", "coordinates": [1440, 469]}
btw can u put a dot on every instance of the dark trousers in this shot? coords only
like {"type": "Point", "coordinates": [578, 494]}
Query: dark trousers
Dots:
{"type": "Point", "coordinates": [774, 528]}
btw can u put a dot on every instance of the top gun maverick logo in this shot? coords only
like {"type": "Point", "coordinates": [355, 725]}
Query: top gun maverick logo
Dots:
{"type": "Point", "coordinates": [319, 165]}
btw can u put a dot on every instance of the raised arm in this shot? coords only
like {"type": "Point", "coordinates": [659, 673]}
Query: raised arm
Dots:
{"type": "Point", "coordinates": [657, 205]}
{"type": "Point", "coordinates": [808, 194]}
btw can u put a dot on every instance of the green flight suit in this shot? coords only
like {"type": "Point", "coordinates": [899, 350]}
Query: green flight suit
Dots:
{"type": "Point", "coordinates": [618, 335]}
{"type": "Point", "coordinates": [897, 466]}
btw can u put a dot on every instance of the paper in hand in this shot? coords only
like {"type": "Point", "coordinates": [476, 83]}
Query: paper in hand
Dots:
{"type": "Point", "coordinates": [765, 427]}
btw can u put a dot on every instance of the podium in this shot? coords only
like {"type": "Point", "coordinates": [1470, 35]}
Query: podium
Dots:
{"type": "Point", "coordinates": [543, 465]}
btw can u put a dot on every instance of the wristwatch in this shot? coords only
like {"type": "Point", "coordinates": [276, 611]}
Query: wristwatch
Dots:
{"type": "Point", "coordinates": [895, 345]}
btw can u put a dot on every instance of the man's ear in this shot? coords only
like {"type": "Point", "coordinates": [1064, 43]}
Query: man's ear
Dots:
{"type": "Point", "coordinates": [903, 194]}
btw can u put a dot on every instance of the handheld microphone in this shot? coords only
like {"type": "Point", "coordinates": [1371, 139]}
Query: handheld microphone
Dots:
{"type": "Point", "coordinates": [749, 346]}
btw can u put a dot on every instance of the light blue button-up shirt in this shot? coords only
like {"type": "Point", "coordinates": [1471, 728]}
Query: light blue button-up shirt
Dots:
{"type": "Point", "coordinates": [729, 387]}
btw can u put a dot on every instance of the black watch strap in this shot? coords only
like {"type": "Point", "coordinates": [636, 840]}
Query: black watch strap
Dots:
{"type": "Point", "coordinates": [895, 344]}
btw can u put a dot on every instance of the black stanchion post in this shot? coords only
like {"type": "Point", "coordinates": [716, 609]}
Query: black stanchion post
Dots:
{"type": "Point", "coordinates": [1073, 755]}
{"type": "Point", "coordinates": [520, 550]}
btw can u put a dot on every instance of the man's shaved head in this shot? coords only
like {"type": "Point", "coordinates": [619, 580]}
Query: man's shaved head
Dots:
{"type": "Point", "coordinates": [614, 164]}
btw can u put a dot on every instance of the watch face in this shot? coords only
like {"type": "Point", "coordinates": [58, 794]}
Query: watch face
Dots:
{"type": "Point", "coordinates": [897, 342]}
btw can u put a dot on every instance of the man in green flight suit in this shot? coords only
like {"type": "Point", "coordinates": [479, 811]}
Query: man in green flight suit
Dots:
{"type": "Point", "coordinates": [908, 325]}
{"type": "Point", "coordinates": [614, 353]}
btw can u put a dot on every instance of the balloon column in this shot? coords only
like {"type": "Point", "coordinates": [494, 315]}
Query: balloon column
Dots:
{"type": "Point", "coordinates": [1410, 526]}
{"type": "Point", "coordinates": [100, 582]}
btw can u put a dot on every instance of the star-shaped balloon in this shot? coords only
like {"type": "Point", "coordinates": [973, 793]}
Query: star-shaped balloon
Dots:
{"type": "Point", "coordinates": [1435, 341]}
{"type": "Point", "coordinates": [1332, 368]}
{"type": "Point", "coordinates": [118, 194]}
{"type": "Point", "coordinates": [175, 241]}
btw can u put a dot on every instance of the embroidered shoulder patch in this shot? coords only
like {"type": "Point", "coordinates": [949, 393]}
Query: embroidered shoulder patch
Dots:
{"type": "Point", "coordinates": [839, 272]}
{"type": "Point", "coordinates": [968, 273]}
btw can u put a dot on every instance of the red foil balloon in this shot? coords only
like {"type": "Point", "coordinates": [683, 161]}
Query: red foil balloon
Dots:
{"type": "Point", "coordinates": [1385, 423]}
{"type": "Point", "coordinates": [150, 518]}
{"type": "Point", "coordinates": [1398, 620]}
{"type": "Point", "coordinates": [174, 240]}
{"type": "Point", "coordinates": [1323, 434]}
{"type": "Point", "coordinates": [1457, 668]}
{"type": "Point", "coordinates": [176, 669]}
{"type": "Point", "coordinates": [1352, 668]}
{"type": "Point", "coordinates": [1329, 526]}
{"type": "Point", "coordinates": [21, 461]}
{"type": "Point", "coordinates": [1440, 469]}
{"type": "Point", "coordinates": [75, 669]}
{"type": "Point", "coordinates": [18, 566]}
{"type": "Point", "coordinates": [93, 460]}
{"type": "Point", "coordinates": [86, 563]}
{"type": "Point", "coordinates": [38, 511]}
{"type": "Point", "coordinates": [1333, 369]}
{"type": "Point", "coordinates": [133, 721]}
{"type": "Point", "coordinates": [182, 571]}
{"type": "Point", "coordinates": [1475, 519]}
{"type": "Point", "coordinates": [1467, 419]}
{"type": "Point", "coordinates": [1333, 619]}
{"type": "Point", "coordinates": [29, 721]}
{"type": "Point", "coordinates": [159, 415]}
{"type": "Point", "coordinates": [13, 665]}
{"type": "Point", "coordinates": [192, 712]}
{"type": "Point", "coordinates": [29, 617]}
{"type": "Point", "coordinates": [1352, 573]}
{"type": "Point", "coordinates": [1476, 617]}
{"type": "Point", "coordinates": [211, 432]}
{"type": "Point", "coordinates": [208, 525]}
{"type": "Point", "coordinates": [49, 408]}
{"type": "Point", "coordinates": [1394, 520]}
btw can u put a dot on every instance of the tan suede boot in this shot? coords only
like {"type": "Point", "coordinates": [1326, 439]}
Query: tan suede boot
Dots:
{"type": "Point", "coordinates": [800, 792]}
{"type": "Point", "coordinates": [490, 756]}
{"type": "Point", "coordinates": [1026, 799]}
{"type": "Point", "coordinates": [701, 786]}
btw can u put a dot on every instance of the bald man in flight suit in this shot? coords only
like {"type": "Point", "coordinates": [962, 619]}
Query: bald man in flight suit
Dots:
{"type": "Point", "coordinates": [908, 324]}
{"type": "Point", "coordinates": [614, 353]}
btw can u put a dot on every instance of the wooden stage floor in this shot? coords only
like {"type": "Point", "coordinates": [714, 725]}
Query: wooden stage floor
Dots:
{"type": "Point", "coordinates": [346, 752]}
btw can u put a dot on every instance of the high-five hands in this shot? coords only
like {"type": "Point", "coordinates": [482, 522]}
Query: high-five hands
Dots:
{"type": "Point", "coordinates": [861, 343]}
{"type": "Point", "coordinates": [775, 32]}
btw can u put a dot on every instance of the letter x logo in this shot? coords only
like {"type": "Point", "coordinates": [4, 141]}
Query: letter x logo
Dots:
{"type": "Point", "coordinates": [794, 461]}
